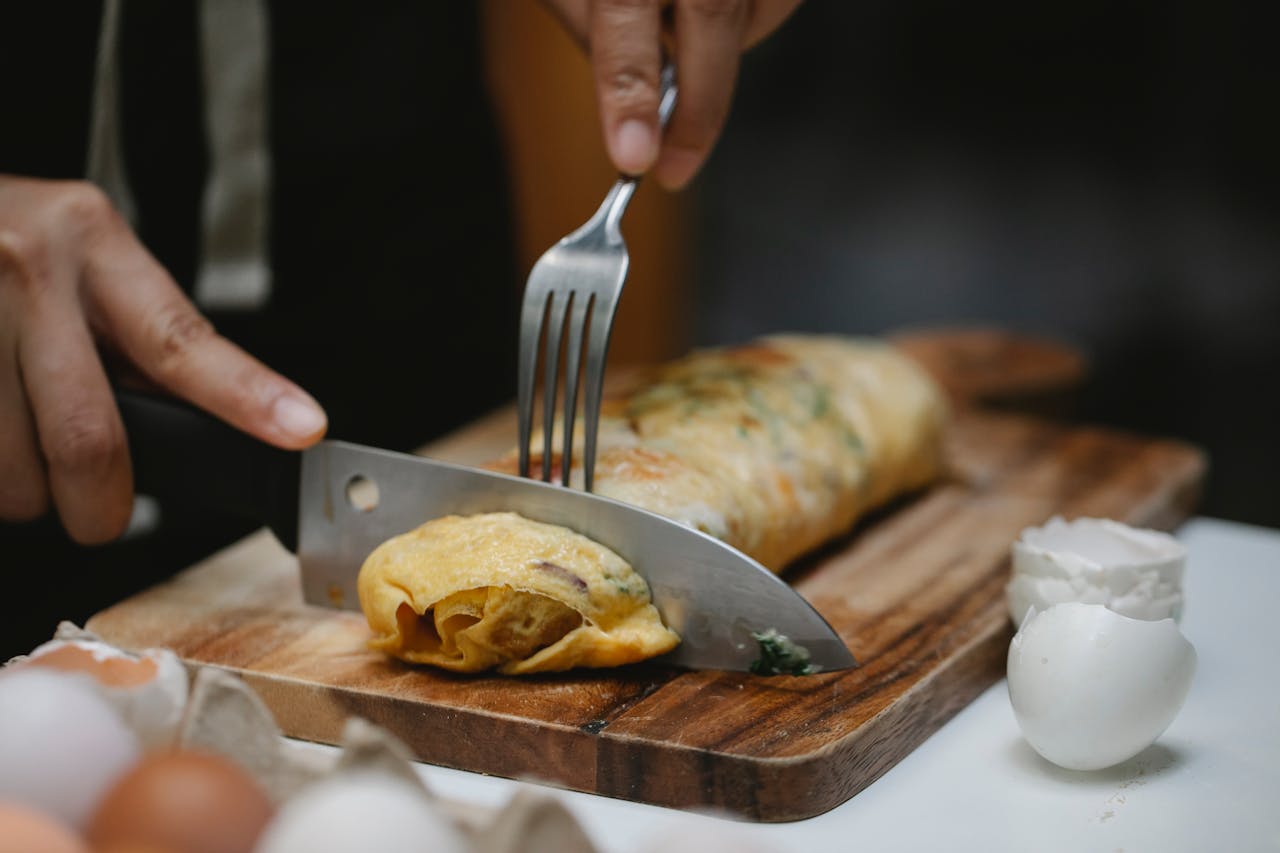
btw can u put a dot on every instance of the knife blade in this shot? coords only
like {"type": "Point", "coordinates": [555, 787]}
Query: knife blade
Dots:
{"type": "Point", "coordinates": [316, 502]}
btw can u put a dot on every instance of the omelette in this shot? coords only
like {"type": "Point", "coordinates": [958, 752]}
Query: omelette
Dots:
{"type": "Point", "coordinates": [496, 590]}
{"type": "Point", "coordinates": [774, 447]}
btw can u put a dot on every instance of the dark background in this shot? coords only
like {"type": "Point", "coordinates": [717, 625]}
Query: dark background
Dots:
{"type": "Point", "coordinates": [391, 241]}
{"type": "Point", "coordinates": [1104, 174]}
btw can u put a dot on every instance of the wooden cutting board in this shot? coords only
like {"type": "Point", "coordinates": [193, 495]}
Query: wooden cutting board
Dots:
{"type": "Point", "coordinates": [917, 592]}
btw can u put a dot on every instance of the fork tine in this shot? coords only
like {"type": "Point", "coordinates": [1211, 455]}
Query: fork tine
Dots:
{"type": "Point", "coordinates": [594, 259]}
{"type": "Point", "coordinates": [573, 362]}
{"type": "Point", "coordinates": [530, 334]}
{"type": "Point", "coordinates": [551, 373]}
{"type": "Point", "coordinates": [597, 348]}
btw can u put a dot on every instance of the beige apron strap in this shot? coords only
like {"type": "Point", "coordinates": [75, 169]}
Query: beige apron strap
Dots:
{"type": "Point", "coordinates": [105, 163]}
{"type": "Point", "coordinates": [234, 273]}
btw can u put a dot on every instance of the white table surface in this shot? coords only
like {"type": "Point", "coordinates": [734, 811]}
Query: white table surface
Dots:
{"type": "Point", "coordinates": [1211, 782]}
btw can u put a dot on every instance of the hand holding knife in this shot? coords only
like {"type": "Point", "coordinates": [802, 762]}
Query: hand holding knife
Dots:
{"type": "Point", "coordinates": [712, 595]}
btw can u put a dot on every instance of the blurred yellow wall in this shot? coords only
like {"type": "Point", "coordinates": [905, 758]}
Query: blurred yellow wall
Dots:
{"type": "Point", "coordinates": [542, 90]}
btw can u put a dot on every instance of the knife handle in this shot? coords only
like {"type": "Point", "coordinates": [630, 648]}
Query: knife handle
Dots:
{"type": "Point", "coordinates": [183, 455]}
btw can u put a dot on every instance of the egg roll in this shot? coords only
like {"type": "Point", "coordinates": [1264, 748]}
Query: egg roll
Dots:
{"type": "Point", "coordinates": [775, 447]}
{"type": "Point", "coordinates": [499, 591]}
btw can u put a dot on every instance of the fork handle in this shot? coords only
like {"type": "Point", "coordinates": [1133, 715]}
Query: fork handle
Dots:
{"type": "Point", "coordinates": [615, 204]}
{"type": "Point", "coordinates": [666, 92]}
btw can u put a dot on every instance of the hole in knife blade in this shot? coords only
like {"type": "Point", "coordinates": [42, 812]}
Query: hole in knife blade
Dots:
{"type": "Point", "coordinates": [362, 493]}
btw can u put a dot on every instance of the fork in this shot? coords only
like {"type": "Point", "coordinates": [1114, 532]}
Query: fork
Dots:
{"type": "Point", "coordinates": [580, 278]}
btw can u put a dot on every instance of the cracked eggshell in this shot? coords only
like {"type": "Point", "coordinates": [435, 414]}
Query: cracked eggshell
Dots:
{"type": "Point", "coordinates": [1133, 571]}
{"type": "Point", "coordinates": [148, 690]}
{"type": "Point", "coordinates": [1091, 688]}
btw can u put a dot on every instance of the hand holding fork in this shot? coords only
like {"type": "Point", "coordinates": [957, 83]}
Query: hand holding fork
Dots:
{"type": "Point", "coordinates": [579, 280]}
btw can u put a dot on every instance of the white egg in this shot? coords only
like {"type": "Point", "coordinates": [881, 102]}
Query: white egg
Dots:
{"type": "Point", "coordinates": [61, 744]}
{"type": "Point", "coordinates": [360, 811]}
{"type": "Point", "coordinates": [1133, 571]}
{"type": "Point", "coordinates": [1091, 688]}
{"type": "Point", "coordinates": [148, 689]}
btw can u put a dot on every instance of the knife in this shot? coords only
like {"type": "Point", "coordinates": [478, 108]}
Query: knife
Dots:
{"type": "Point", "coordinates": [333, 503]}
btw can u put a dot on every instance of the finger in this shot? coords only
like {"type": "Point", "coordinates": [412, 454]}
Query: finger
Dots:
{"type": "Point", "coordinates": [767, 16]}
{"type": "Point", "coordinates": [157, 328]}
{"type": "Point", "coordinates": [573, 15]}
{"type": "Point", "coordinates": [80, 434]}
{"type": "Point", "coordinates": [709, 37]}
{"type": "Point", "coordinates": [626, 59]}
{"type": "Point", "coordinates": [24, 494]}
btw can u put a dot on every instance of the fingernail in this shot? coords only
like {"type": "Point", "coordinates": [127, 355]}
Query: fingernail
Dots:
{"type": "Point", "coordinates": [633, 147]}
{"type": "Point", "coordinates": [299, 416]}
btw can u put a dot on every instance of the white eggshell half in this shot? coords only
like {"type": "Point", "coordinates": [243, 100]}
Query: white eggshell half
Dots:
{"type": "Point", "coordinates": [61, 744]}
{"type": "Point", "coordinates": [1133, 571]}
{"type": "Point", "coordinates": [360, 811]}
{"type": "Point", "coordinates": [152, 708]}
{"type": "Point", "coordinates": [1091, 688]}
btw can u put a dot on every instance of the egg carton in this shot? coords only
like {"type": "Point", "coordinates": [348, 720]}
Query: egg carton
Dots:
{"type": "Point", "coordinates": [223, 715]}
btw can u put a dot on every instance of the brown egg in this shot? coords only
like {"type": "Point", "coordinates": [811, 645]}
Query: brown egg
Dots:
{"type": "Point", "coordinates": [134, 847]}
{"type": "Point", "coordinates": [25, 830]}
{"type": "Point", "coordinates": [109, 666]}
{"type": "Point", "coordinates": [183, 801]}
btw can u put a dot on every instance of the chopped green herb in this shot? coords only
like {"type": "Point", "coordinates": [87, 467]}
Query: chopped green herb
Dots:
{"type": "Point", "coordinates": [821, 400]}
{"type": "Point", "coordinates": [779, 655]}
{"type": "Point", "coordinates": [766, 415]}
{"type": "Point", "coordinates": [625, 588]}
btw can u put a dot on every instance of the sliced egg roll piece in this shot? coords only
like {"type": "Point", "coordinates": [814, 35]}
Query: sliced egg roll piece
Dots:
{"type": "Point", "coordinates": [497, 590]}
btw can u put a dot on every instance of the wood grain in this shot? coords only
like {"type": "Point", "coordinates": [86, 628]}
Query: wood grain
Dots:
{"type": "Point", "coordinates": [916, 591]}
